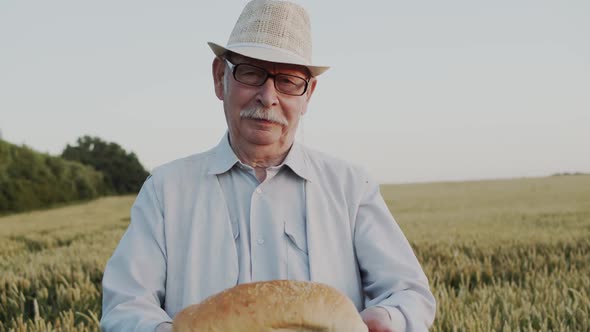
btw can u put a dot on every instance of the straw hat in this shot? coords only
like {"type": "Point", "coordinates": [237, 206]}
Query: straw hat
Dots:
{"type": "Point", "coordinates": [275, 31]}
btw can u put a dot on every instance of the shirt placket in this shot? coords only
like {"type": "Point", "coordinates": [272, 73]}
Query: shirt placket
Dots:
{"type": "Point", "coordinates": [263, 232]}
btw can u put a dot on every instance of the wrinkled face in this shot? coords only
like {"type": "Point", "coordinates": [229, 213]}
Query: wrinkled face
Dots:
{"type": "Point", "coordinates": [260, 115]}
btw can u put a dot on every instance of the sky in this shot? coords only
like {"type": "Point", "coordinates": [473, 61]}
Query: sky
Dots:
{"type": "Point", "coordinates": [418, 91]}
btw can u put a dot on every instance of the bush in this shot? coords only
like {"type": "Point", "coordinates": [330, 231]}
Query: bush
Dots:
{"type": "Point", "coordinates": [31, 180]}
{"type": "Point", "coordinates": [123, 173]}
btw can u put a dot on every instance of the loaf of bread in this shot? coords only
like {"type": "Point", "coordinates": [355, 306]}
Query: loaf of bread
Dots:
{"type": "Point", "coordinates": [272, 306]}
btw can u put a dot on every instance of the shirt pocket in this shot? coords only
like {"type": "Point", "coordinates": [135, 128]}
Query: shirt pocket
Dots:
{"type": "Point", "coordinates": [296, 250]}
{"type": "Point", "coordinates": [235, 228]}
{"type": "Point", "coordinates": [296, 236]}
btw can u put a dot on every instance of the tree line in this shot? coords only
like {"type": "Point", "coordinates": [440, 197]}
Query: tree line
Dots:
{"type": "Point", "coordinates": [86, 170]}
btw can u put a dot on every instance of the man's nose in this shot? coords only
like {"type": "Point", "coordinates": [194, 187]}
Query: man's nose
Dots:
{"type": "Point", "coordinates": [267, 94]}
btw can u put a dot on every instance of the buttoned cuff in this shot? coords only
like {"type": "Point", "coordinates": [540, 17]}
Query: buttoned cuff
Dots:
{"type": "Point", "coordinates": [398, 321]}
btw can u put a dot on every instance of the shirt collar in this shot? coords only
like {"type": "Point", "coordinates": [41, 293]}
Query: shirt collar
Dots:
{"type": "Point", "coordinates": [296, 161]}
{"type": "Point", "coordinates": [224, 159]}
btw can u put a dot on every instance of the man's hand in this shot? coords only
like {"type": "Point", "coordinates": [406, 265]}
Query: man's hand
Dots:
{"type": "Point", "coordinates": [377, 319]}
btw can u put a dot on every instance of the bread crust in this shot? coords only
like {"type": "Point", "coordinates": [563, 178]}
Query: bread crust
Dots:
{"type": "Point", "coordinates": [272, 306]}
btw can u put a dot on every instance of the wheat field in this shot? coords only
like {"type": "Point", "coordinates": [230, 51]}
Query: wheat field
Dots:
{"type": "Point", "coordinates": [504, 255]}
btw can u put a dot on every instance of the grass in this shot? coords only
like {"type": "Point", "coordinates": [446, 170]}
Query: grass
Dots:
{"type": "Point", "coordinates": [506, 255]}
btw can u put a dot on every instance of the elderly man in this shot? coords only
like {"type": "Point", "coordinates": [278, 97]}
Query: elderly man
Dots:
{"type": "Point", "coordinates": [260, 206]}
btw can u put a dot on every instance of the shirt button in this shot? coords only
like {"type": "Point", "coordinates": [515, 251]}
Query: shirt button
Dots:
{"type": "Point", "coordinates": [260, 241]}
{"type": "Point", "coordinates": [258, 191]}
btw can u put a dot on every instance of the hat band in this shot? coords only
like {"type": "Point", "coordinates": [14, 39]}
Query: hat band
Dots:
{"type": "Point", "coordinates": [291, 55]}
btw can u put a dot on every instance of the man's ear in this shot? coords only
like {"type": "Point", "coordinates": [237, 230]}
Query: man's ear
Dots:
{"type": "Point", "coordinates": [218, 68]}
{"type": "Point", "coordinates": [311, 88]}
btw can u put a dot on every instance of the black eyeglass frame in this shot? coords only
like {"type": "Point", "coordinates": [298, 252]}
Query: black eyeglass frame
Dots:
{"type": "Point", "coordinates": [233, 67]}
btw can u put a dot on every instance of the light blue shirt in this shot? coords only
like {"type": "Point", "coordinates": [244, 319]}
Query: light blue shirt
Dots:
{"type": "Point", "coordinates": [268, 218]}
{"type": "Point", "coordinates": [180, 246]}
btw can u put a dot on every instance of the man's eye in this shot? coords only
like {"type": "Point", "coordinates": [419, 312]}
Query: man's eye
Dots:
{"type": "Point", "coordinates": [286, 80]}
{"type": "Point", "coordinates": [251, 73]}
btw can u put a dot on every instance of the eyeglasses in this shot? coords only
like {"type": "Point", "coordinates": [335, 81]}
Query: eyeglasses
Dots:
{"type": "Point", "coordinates": [257, 76]}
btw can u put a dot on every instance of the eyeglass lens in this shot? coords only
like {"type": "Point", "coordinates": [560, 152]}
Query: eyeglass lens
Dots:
{"type": "Point", "coordinates": [255, 76]}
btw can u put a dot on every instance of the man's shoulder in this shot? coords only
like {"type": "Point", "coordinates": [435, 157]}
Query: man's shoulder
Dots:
{"type": "Point", "coordinates": [190, 165]}
{"type": "Point", "coordinates": [327, 164]}
{"type": "Point", "coordinates": [339, 178]}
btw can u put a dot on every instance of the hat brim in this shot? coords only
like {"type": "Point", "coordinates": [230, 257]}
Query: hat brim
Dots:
{"type": "Point", "coordinates": [265, 53]}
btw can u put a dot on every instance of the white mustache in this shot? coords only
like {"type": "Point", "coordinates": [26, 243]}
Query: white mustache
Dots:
{"type": "Point", "coordinates": [261, 113]}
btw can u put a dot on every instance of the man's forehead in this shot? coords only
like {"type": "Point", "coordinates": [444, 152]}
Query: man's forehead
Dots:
{"type": "Point", "coordinates": [238, 58]}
